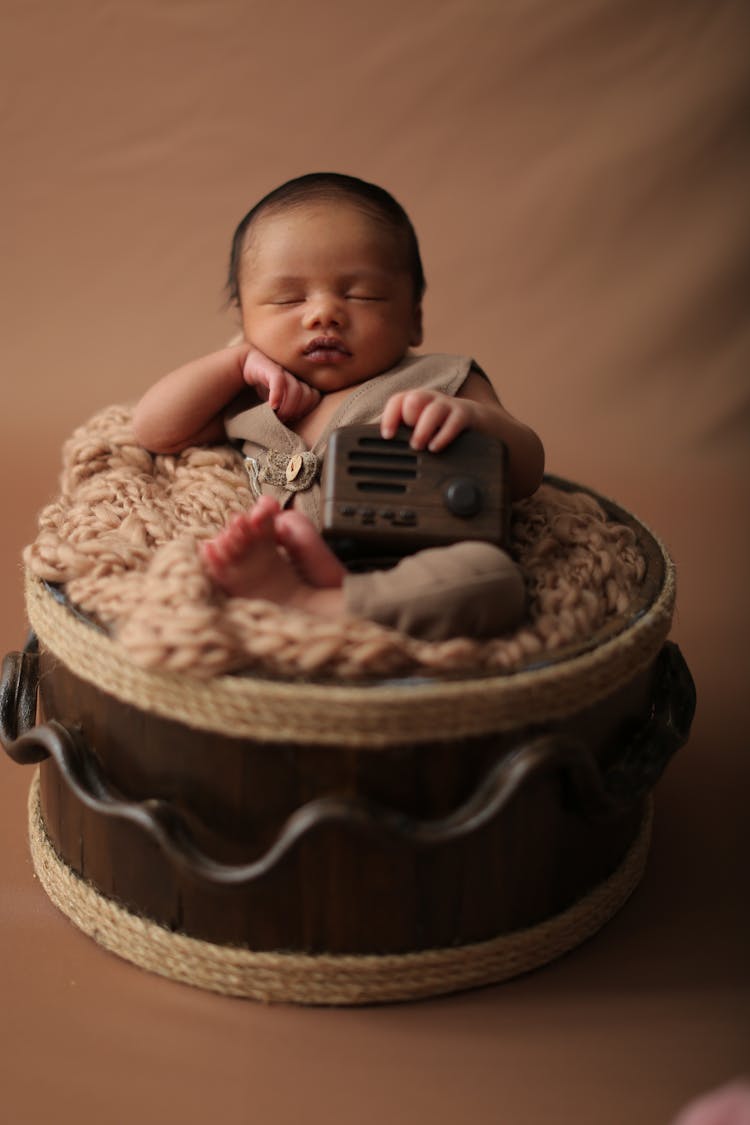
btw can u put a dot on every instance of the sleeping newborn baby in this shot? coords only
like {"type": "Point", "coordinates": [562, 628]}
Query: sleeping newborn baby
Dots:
{"type": "Point", "coordinates": [327, 276]}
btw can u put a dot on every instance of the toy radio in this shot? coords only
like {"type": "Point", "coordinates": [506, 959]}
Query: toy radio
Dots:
{"type": "Point", "coordinates": [381, 498]}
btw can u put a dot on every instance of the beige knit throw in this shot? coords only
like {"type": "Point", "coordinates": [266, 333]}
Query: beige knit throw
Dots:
{"type": "Point", "coordinates": [122, 538]}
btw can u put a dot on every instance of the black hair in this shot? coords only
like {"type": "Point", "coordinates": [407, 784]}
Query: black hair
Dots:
{"type": "Point", "coordinates": [326, 186]}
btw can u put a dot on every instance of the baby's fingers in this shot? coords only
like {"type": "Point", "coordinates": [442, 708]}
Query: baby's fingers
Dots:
{"type": "Point", "coordinates": [305, 399]}
{"type": "Point", "coordinates": [298, 400]}
{"type": "Point", "coordinates": [277, 386]}
{"type": "Point", "coordinates": [282, 394]}
{"type": "Point", "coordinates": [430, 422]}
{"type": "Point", "coordinates": [448, 431]}
{"type": "Point", "coordinates": [392, 416]}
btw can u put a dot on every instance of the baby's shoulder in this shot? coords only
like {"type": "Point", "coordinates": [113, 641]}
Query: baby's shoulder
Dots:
{"type": "Point", "coordinates": [437, 370]}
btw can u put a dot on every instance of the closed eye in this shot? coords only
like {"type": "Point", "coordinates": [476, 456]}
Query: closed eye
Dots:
{"type": "Point", "coordinates": [363, 297]}
{"type": "Point", "coordinates": [288, 301]}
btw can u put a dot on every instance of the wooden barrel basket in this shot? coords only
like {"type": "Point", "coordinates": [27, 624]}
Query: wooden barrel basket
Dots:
{"type": "Point", "coordinates": [344, 843]}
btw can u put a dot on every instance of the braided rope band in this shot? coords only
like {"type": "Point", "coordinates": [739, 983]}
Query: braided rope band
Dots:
{"type": "Point", "coordinates": [387, 714]}
{"type": "Point", "coordinates": [327, 979]}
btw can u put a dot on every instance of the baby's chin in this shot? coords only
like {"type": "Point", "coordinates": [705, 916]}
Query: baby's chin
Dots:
{"type": "Point", "coordinates": [327, 379]}
{"type": "Point", "coordinates": [340, 375]}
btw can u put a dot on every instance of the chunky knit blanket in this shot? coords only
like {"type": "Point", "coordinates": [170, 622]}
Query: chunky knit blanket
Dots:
{"type": "Point", "coordinates": [122, 540]}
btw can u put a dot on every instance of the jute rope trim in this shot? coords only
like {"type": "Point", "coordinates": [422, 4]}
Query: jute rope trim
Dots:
{"type": "Point", "coordinates": [370, 715]}
{"type": "Point", "coordinates": [326, 979]}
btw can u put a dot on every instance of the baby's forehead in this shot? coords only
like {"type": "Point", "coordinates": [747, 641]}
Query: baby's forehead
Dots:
{"type": "Point", "coordinates": [374, 233]}
{"type": "Point", "coordinates": [324, 239]}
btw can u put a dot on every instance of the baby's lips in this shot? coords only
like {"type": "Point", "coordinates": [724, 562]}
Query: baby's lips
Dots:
{"type": "Point", "coordinates": [326, 343]}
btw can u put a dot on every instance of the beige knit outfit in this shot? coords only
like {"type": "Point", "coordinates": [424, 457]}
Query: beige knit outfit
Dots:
{"type": "Point", "coordinates": [468, 589]}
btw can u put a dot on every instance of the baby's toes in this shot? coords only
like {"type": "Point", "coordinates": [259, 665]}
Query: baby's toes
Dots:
{"type": "Point", "coordinates": [212, 558]}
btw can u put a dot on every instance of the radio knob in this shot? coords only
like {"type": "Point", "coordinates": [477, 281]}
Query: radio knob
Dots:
{"type": "Point", "coordinates": [463, 497]}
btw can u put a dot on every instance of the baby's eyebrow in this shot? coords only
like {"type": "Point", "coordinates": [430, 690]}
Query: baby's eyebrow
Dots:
{"type": "Point", "coordinates": [363, 273]}
{"type": "Point", "coordinates": [368, 274]}
{"type": "Point", "coordinates": [283, 280]}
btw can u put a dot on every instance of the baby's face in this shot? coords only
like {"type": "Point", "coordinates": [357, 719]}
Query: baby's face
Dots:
{"type": "Point", "coordinates": [324, 292]}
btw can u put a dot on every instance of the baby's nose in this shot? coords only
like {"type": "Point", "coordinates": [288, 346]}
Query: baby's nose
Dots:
{"type": "Point", "coordinates": [325, 311]}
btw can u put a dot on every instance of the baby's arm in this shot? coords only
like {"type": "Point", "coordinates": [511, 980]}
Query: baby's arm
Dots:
{"type": "Point", "coordinates": [186, 406]}
{"type": "Point", "coordinates": [438, 418]}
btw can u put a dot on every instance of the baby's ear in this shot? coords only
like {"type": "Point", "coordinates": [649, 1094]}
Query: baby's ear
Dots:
{"type": "Point", "coordinates": [417, 335]}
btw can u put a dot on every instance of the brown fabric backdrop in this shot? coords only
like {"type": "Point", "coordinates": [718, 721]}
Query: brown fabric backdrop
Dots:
{"type": "Point", "coordinates": [578, 174]}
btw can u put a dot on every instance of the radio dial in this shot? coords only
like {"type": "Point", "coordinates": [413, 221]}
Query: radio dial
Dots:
{"type": "Point", "coordinates": [463, 497]}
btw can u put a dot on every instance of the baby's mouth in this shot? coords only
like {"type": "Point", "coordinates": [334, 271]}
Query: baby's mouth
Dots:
{"type": "Point", "coordinates": [325, 345]}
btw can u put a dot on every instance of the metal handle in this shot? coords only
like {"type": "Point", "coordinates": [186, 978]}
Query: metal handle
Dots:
{"type": "Point", "coordinates": [589, 792]}
{"type": "Point", "coordinates": [18, 691]}
{"type": "Point", "coordinates": [667, 729]}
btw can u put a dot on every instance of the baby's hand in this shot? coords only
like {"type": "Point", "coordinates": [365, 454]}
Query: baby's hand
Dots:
{"type": "Point", "coordinates": [287, 395]}
{"type": "Point", "coordinates": [436, 418]}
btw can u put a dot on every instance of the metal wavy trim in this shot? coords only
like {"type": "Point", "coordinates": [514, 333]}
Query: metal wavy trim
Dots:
{"type": "Point", "coordinates": [589, 792]}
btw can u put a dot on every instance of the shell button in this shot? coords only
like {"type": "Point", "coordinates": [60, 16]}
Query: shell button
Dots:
{"type": "Point", "coordinates": [294, 467]}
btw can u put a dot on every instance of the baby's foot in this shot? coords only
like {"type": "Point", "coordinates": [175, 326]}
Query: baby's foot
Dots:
{"type": "Point", "coordinates": [315, 562]}
{"type": "Point", "coordinates": [245, 561]}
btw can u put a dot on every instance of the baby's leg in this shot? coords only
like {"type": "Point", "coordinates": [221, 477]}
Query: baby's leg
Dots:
{"type": "Point", "coordinates": [469, 589]}
{"type": "Point", "coordinates": [245, 560]}
{"type": "Point", "coordinates": [315, 561]}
